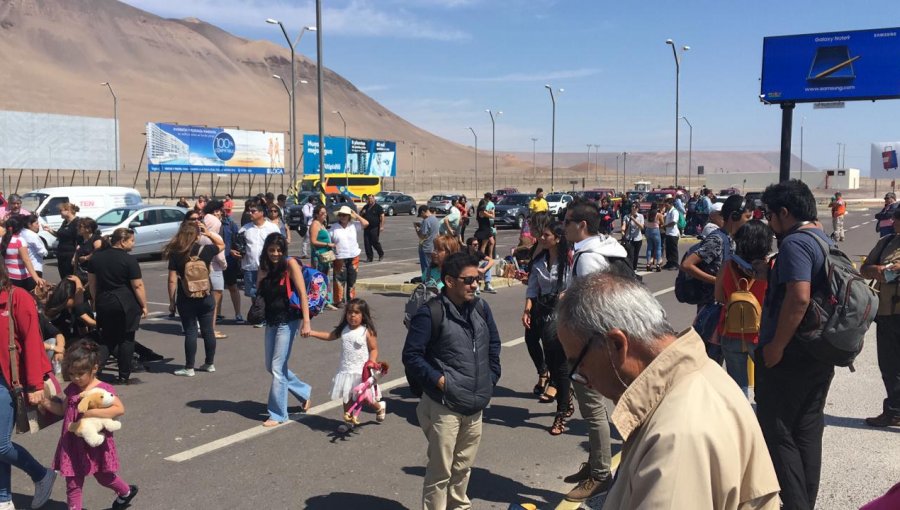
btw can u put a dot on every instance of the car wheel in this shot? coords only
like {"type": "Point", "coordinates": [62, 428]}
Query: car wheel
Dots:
{"type": "Point", "coordinates": [390, 211]}
{"type": "Point", "coordinates": [520, 222]}
{"type": "Point", "coordinates": [412, 211]}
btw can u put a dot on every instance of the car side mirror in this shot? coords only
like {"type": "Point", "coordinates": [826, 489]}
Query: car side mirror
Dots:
{"type": "Point", "coordinates": [134, 224]}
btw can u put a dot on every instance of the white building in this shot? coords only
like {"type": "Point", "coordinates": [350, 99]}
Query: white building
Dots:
{"type": "Point", "coordinates": [836, 179]}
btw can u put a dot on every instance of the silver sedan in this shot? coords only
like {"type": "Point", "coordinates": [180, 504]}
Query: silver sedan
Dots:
{"type": "Point", "coordinates": [153, 225]}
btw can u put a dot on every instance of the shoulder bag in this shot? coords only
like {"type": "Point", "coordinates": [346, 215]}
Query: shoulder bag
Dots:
{"type": "Point", "coordinates": [28, 418]}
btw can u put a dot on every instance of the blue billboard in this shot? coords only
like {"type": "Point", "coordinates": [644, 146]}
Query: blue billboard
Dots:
{"type": "Point", "coordinates": [200, 149]}
{"type": "Point", "coordinates": [834, 66]}
{"type": "Point", "coordinates": [351, 156]}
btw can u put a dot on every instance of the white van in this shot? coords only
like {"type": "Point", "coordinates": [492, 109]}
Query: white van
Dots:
{"type": "Point", "coordinates": [92, 201]}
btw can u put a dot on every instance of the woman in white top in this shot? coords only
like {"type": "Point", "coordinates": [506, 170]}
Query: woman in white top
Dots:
{"type": "Point", "coordinates": [633, 233]}
{"type": "Point", "coordinates": [346, 251]}
{"type": "Point", "coordinates": [36, 249]}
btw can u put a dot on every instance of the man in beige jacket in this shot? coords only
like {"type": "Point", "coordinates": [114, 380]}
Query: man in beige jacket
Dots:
{"type": "Point", "coordinates": [691, 439]}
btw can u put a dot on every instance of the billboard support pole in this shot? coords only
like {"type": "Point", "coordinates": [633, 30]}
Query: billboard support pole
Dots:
{"type": "Point", "coordinates": [19, 181]}
{"type": "Point", "coordinates": [47, 178]}
{"type": "Point", "coordinates": [787, 117]}
{"type": "Point", "coordinates": [97, 181]}
{"type": "Point", "coordinates": [177, 185]}
{"type": "Point", "coordinates": [137, 173]}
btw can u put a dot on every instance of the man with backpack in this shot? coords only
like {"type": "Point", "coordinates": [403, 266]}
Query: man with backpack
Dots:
{"type": "Point", "coordinates": [452, 355]}
{"type": "Point", "coordinates": [594, 253]}
{"type": "Point", "coordinates": [702, 264]}
{"type": "Point", "coordinates": [791, 382]}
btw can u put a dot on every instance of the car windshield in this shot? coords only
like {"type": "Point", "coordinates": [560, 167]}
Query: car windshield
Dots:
{"type": "Point", "coordinates": [555, 197]}
{"type": "Point", "coordinates": [655, 197]}
{"type": "Point", "coordinates": [515, 200]}
{"type": "Point", "coordinates": [386, 200]}
{"type": "Point", "coordinates": [31, 201]}
{"type": "Point", "coordinates": [438, 198]}
{"type": "Point", "coordinates": [113, 217]}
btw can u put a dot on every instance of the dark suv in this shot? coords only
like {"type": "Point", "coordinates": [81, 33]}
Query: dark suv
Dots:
{"type": "Point", "coordinates": [333, 202]}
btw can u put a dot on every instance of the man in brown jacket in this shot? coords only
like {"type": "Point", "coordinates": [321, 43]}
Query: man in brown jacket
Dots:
{"type": "Point", "coordinates": [691, 439]}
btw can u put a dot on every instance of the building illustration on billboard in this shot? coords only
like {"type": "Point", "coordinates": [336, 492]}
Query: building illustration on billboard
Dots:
{"type": "Point", "coordinates": [199, 149]}
{"type": "Point", "coordinates": [351, 156]}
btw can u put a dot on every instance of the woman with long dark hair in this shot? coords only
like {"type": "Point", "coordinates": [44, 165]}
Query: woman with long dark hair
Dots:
{"type": "Point", "coordinates": [276, 272]}
{"type": "Point", "coordinates": [90, 240]}
{"type": "Point", "coordinates": [15, 253]}
{"type": "Point", "coordinates": [320, 242]}
{"type": "Point", "coordinates": [546, 279]}
{"type": "Point", "coordinates": [32, 365]}
{"type": "Point", "coordinates": [120, 301]}
{"type": "Point", "coordinates": [67, 239]}
{"type": "Point", "coordinates": [37, 250]}
{"type": "Point", "coordinates": [198, 306]}
{"type": "Point", "coordinates": [654, 238]}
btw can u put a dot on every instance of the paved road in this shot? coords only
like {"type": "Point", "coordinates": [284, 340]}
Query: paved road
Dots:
{"type": "Point", "coordinates": [196, 442]}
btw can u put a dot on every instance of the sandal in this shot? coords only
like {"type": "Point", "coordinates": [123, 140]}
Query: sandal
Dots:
{"type": "Point", "coordinates": [559, 425]}
{"type": "Point", "coordinates": [541, 385]}
{"type": "Point", "coordinates": [548, 397]}
{"type": "Point", "coordinates": [571, 409]}
{"type": "Point", "coordinates": [219, 335]}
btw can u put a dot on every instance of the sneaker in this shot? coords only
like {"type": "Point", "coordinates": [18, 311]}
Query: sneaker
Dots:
{"type": "Point", "coordinates": [586, 489]}
{"type": "Point", "coordinates": [124, 501]}
{"type": "Point", "coordinates": [260, 325]}
{"type": "Point", "coordinates": [43, 488]}
{"type": "Point", "coordinates": [7, 505]}
{"type": "Point", "coordinates": [382, 413]}
{"type": "Point", "coordinates": [220, 317]}
{"type": "Point", "coordinates": [584, 472]}
{"type": "Point", "coordinates": [239, 319]}
{"type": "Point", "coordinates": [883, 420]}
{"type": "Point", "coordinates": [380, 258]}
{"type": "Point", "coordinates": [185, 372]}
{"type": "Point", "coordinates": [488, 288]}
{"type": "Point", "coordinates": [207, 367]}
{"type": "Point", "coordinates": [330, 306]}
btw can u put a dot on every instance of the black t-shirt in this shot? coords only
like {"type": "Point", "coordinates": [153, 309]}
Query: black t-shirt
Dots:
{"type": "Point", "coordinates": [372, 215]}
{"type": "Point", "coordinates": [67, 237]}
{"type": "Point", "coordinates": [177, 261]}
{"type": "Point", "coordinates": [114, 269]}
{"type": "Point", "coordinates": [484, 224]}
{"type": "Point", "coordinates": [278, 310]}
{"type": "Point", "coordinates": [69, 322]}
{"type": "Point", "coordinates": [48, 330]}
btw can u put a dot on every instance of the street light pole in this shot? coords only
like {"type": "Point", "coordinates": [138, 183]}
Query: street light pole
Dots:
{"type": "Point", "coordinates": [476, 160]}
{"type": "Point", "coordinates": [346, 172]}
{"type": "Point", "coordinates": [588, 173]}
{"type": "Point", "coordinates": [802, 121]}
{"type": "Point", "coordinates": [116, 128]}
{"type": "Point", "coordinates": [677, 79]}
{"type": "Point", "coordinates": [624, 162]}
{"type": "Point", "coordinates": [534, 158]}
{"type": "Point", "coordinates": [292, 94]}
{"type": "Point", "coordinates": [617, 172]}
{"type": "Point", "coordinates": [552, 138]}
{"type": "Point", "coordinates": [690, 150]}
{"type": "Point", "coordinates": [493, 149]}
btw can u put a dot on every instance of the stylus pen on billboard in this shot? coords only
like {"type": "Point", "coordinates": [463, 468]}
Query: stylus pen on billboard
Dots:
{"type": "Point", "coordinates": [836, 68]}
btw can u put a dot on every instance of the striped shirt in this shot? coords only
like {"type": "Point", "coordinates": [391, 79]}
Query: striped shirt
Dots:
{"type": "Point", "coordinates": [15, 266]}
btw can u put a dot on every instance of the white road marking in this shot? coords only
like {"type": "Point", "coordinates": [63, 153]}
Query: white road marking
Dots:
{"type": "Point", "coordinates": [661, 292]}
{"type": "Point", "coordinates": [855, 226]}
{"type": "Point", "coordinates": [260, 430]}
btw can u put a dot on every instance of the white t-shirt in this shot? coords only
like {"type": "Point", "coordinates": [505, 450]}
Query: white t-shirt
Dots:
{"type": "Point", "coordinates": [453, 217]}
{"type": "Point", "coordinates": [36, 249]}
{"type": "Point", "coordinates": [346, 244]}
{"type": "Point", "coordinates": [256, 237]}
{"type": "Point", "coordinates": [672, 217]}
{"type": "Point", "coordinates": [632, 232]}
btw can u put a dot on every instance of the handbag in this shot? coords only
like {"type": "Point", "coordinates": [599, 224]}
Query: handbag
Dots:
{"type": "Point", "coordinates": [327, 257]}
{"type": "Point", "coordinates": [257, 313]}
{"type": "Point", "coordinates": [28, 418]}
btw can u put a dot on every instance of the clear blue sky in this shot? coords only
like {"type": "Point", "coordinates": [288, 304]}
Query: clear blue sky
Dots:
{"type": "Point", "coordinates": [441, 63]}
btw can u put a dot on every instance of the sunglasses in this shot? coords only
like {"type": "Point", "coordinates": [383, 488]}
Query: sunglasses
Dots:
{"type": "Point", "coordinates": [468, 280]}
{"type": "Point", "coordinates": [574, 375]}
{"type": "Point", "coordinates": [768, 214]}
{"type": "Point", "coordinates": [194, 218]}
{"type": "Point", "coordinates": [253, 210]}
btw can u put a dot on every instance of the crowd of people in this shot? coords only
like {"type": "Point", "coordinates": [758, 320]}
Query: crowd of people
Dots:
{"type": "Point", "coordinates": [592, 330]}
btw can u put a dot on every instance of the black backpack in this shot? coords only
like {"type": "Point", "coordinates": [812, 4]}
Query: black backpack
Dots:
{"type": "Point", "coordinates": [436, 309]}
{"type": "Point", "coordinates": [690, 290]}
{"type": "Point", "coordinates": [840, 311]}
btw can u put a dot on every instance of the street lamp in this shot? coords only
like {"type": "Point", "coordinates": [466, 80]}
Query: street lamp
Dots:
{"type": "Point", "coordinates": [553, 136]}
{"type": "Point", "coordinates": [116, 128]}
{"type": "Point", "coordinates": [690, 150]}
{"type": "Point", "coordinates": [476, 160]}
{"type": "Point", "coordinates": [346, 172]}
{"type": "Point", "coordinates": [677, 74]}
{"type": "Point", "coordinates": [493, 148]}
{"type": "Point", "coordinates": [533, 158]}
{"type": "Point", "coordinates": [802, 121]}
{"type": "Point", "coordinates": [624, 162]}
{"type": "Point", "coordinates": [291, 95]}
{"type": "Point", "coordinates": [588, 174]}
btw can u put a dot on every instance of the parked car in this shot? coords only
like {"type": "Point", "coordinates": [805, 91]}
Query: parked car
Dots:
{"type": "Point", "coordinates": [153, 225]}
{"type": "Point", "coordinates": [293, 213]}
{"type": "Point", "coordinates": [650, 199]}
{"type": "Point", "coordinates": [441, 204]}
{"type": "Point", "coordinates": [498, 195]}
{"type": "Point", "coordinates": [333, 202]}
{"type": "Point", "coordinates": [512, 210]}
{"type": "Point", "coordinates": [558, 201]}
{"type": "Point", "coordinates": [397, 204]}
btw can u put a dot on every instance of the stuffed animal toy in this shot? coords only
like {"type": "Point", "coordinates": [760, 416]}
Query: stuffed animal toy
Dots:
{"type": "Point", "coordinates": [90, 428]}
{"type": "Point", "coordinates": [367, 392]}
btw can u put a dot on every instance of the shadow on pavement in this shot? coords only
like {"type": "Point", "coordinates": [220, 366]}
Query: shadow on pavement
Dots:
{"type": "Point", "coordinates": [21, 501]}
{"type": "Point", "coordinates": [249, 409]}
{"type": "Point", "coordinates": [350, 500]}
{"type": "Point", "coordinates": [488, 486]}
{"type": "Point", "coordinates": [854, 423]}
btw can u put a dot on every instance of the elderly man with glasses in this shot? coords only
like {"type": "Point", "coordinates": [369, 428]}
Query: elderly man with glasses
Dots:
{"type": "Point", "coordinates": [690, 437]}
{"type": "Point", "coordinates": [13, 207]}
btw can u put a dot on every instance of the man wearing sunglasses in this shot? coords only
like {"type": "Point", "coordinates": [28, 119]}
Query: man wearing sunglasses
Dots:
{"type": "Point", "coordinates": [457, 365]}
{"type": "Point", "coordinates": [255, 232]}
{"type": "Point", "coordinates": [690, 437]}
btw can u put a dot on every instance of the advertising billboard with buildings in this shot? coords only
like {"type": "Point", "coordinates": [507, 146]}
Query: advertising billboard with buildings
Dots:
{"type": "Point", "coordinates": [199, 149]}
{"type": "Point", "coordinates": [42, 141]}
{"type": "Point", "coordinates": [351, 155]}
{"type": "Point", "coordinates": [833, 66]}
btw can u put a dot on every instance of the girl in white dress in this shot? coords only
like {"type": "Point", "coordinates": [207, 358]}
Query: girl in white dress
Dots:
{"type": "Point", "coordinates": [359, 343]}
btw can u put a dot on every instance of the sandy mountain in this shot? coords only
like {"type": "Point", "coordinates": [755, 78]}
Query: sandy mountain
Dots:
{"type": "Point", "coordinates": [55, 54]}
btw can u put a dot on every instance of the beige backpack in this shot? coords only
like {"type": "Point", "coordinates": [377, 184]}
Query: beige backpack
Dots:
{"type": "Point", "coordinates": [195, 278]}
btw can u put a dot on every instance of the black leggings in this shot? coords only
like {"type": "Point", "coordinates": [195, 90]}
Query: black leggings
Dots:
{"type": "Point", "coordinates": [553, 358]}
{"type": "Point", "coordinates": [533, 341]}
{"type": "Point", "coordinates": [64, 264]}
{"type": "Point", "coordinates": [115, 339]}
{"type": "Point", "coordinates": [193, 311]}
{"type": "Point", "coordinates": [635, 253]}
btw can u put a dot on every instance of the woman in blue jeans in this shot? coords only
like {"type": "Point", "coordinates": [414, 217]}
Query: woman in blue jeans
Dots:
{"type": "Point", "coordinates": [276, 272]}
{"type": "Point", "coordinates": [654, 239]}
{"type": "Point", "coordinates": [32, 364]}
